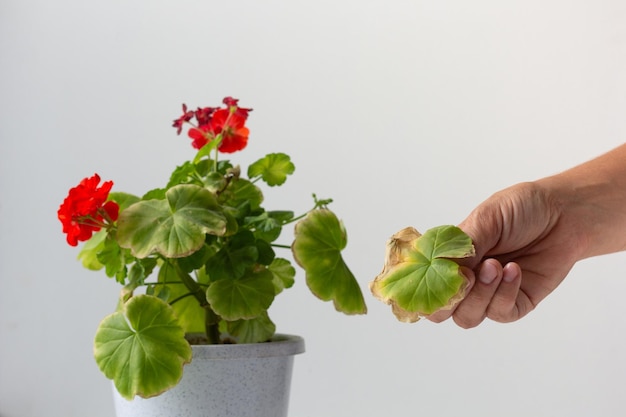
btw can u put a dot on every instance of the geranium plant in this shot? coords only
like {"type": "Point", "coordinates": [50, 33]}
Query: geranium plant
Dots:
{"type": "Point", "coordinates": [197, 258]}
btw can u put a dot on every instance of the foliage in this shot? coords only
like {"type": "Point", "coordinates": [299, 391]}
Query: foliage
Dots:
{"type": "Point", "coordinates": [203, 249]}
{"type": "Point", "coordinates": [420, 276]}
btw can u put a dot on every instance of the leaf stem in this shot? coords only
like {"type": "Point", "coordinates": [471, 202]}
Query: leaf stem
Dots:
{"type": "Point", "coordinates": [218, 138]}
{"type": "Point", "coordinates": [147, 284]}
{"type": "Point", "coordinates": [278, 245]}
{"type": "Point", "coordinates": [211, 319]}
{"type": "Point", "coordinates": [177, 299]}
{"type": "Point", "coordinates": [318, 204]}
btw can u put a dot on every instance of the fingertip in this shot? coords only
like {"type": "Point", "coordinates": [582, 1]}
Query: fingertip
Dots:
{"type": "Point", "coordinates": [489, 271]}
{"type": "Point", "coordinates": [504, 306]}
{"type": "Point", "coordinates": [440, 315]}
{"type": "Point", "coordinates": [511, 272]}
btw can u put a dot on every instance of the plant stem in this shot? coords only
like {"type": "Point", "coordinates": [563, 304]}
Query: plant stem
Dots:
{"type": "Point", "coordinates": [211, 324]}
{"type": "Point", "coordinates": [318, 204]}
{"type": "Point", "coordinates": [211, 319]}
{"type": "Point", "coordinates": [218, 140]}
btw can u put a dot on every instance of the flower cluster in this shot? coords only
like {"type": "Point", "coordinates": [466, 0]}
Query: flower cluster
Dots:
{"type": "Point", "coordinates": [227, 125]}
{"type": "Point", "coordinates": [86, 210]}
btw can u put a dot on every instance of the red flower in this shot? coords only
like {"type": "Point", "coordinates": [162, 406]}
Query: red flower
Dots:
{"type": "Point", "coordinates": [232, 102]}
{"type": "Point", "coordinates": [85, 209]}
{"type": "Point", "coordinates": [228, 122]}
{"type": "Point", "coordinates": [187, 116]}
{"type": "Point", "coordinates": [203, 116]}
{"type": "Point", "coordinates": [200, 136]}
{"type": "Point", "coordinates": [231, 125]}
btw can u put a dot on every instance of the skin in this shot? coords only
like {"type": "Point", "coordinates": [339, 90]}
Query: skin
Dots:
{"type": "Point", "coordinates": [529, 236]}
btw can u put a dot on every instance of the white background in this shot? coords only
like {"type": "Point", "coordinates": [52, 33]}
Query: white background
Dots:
{"type": "Point", "coordinates": [405, 112]}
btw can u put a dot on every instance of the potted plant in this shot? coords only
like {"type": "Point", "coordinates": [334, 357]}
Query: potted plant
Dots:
{"type": "Point", "coordinates": [198, 264]}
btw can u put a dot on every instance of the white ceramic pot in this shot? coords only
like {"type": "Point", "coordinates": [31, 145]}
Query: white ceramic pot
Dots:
{"type": "Point", "coordinates": [247, 380]}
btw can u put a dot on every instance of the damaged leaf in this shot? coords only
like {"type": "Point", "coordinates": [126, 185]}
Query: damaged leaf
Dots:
{"type": "Point", "coordinates": [420, 276]}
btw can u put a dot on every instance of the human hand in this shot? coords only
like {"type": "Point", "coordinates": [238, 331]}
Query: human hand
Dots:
{"type": "Point", "coordinates": [525, 246]}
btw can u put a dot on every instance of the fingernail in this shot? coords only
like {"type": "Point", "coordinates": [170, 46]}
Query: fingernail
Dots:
{"type": "Point", "coordinates": [487, 273]}
{"type": "Point", "coordinates": [509, 274]}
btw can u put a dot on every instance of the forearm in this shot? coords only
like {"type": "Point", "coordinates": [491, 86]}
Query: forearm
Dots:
{"type": "Point", "coordinates": [592, 199]}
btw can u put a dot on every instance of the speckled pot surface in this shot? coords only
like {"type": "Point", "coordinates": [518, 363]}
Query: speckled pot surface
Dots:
{"type": "Point", "coordinates": [249, 380]}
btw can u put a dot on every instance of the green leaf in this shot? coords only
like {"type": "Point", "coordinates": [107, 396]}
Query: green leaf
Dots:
{"type": "Point", "coordinates": [268, 220]}
{"type": "Point", "coordinates": [205, 150]}
{"type": "Point", "coordinates": [269, 224]}
{"type": "Point", "coordinates": [420, 276]}
{"type": "Point", "coordinates": [123, 200]}
{"type": "Point", "coordinates": [280, 216]}
{"type": "Point", "coordinates": [319, 239]}
{"type": "Point", "coordinates": [113, 258]}
{"type": "Point", "coordinates": [256, 330]}
{"type": "Point", "coordinates": [137, 275]}
{"type": "Point", "coordinates": [190, 315]}
{"type": "Point", "coordinates": [182, 174]}
{"type": "Point", "coordinates": [273, 168]}
{"type": "Point", "coordinates": [215, 182]}
{"type": "Point", "coordinates": [283, 273]}
{"type": "Point", "coordinates": [231, 261]}
{"type": "Point", "coordinates": [163, 292]}
{"type": "Point", "coordinates": [142, 348]}
{"type": "Point", "coordinates": [243, 298]}
{"type": "Point", "coordinates": [265, 251]}
{"type": "Point", "coordinates": [155, 194]}
{"type": "Point", "coordinates": [197, 259]}
{"type": "Point", "coordinates": [140, 270]}
{"type": "Point", "coordinates": [88, 254]}
{"type": "Point", "coordinates": [241, 192]}
{"type": "Point", "coordinates": [175, 227]}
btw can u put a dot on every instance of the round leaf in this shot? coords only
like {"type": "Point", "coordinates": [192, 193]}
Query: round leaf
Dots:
{"type": "Point", "coordinates": [142, 348]}
{"type": "Point", "coordinates": [319, 239]}
{"type": "Point", "coordinates": [273, 168]}
{"type": "Point", "coordinates": [174, 227]}
{"type": "Point", "coordinates": [241, 192]}
{"type": "Point", "coordinates": [242, 298]}
{"type": "Point", "coordinates": [419, 277]}
{"type": "Point", "coordinates": [88, 255]}
{"type": "Point", "coordinates": [283, 274]}
{"type": "Point", "coordinates": [258, 329]}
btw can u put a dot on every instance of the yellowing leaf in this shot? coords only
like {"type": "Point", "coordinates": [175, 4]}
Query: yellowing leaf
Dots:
{"type": "Point", "coordinates": [175, 227]}
{"type": "Point", "coordinates": [420, 276]}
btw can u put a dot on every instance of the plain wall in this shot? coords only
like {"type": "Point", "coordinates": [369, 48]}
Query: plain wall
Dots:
{"type": "Point", "coordinates": [404, 112]}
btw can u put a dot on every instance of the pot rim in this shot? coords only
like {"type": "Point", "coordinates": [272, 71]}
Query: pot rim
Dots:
{"type": "Point", "coordinates": [279, 345]}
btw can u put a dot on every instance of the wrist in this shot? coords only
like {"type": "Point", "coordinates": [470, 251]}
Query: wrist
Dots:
{"type": "Point", "coordinates": [590, 200]}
